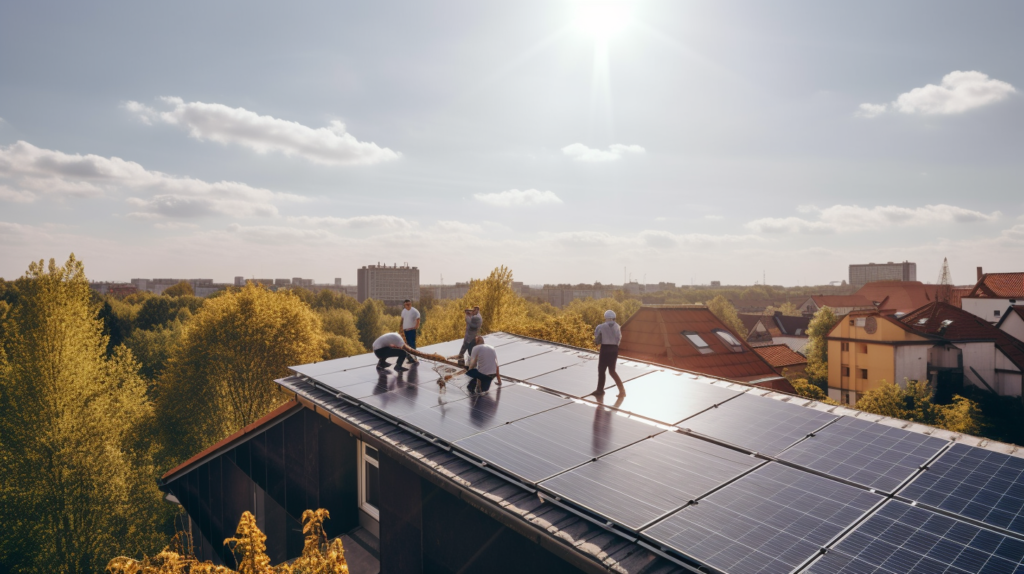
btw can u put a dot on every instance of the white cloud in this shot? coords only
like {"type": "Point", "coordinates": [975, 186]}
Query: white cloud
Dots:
{"type": "Point", "coordinates": [458, 227]}
{"type": "Point", "coordinates": [331, 145]}
{"type": "Point", "coordinates": [176, 225]}
{"type": "Point", "coordinates": [958, 93]}
{"type": "Point", "coordinates": [514, 197]}
{"type": "Point", "coordinates": [358, 222]}
{"type": "Point", "coordinates": [274, 233]}
{"type": "Point", "coordinates": [580, 152]}
{"type": "Point", "coordinates": [16, 195]}
{"type": "Point", "coordinates": [851, 218]}
{"type": "Point", "coordinates": [34, 171]}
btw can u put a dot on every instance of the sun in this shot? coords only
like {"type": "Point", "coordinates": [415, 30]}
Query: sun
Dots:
{"type": "Point", "coordinates": [601, 18]}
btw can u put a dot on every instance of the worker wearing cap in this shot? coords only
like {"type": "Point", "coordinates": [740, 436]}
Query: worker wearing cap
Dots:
{"type": "Point", "coordinates": [473, 323]}
{"type": "Point", "coordinates": [608, 335]}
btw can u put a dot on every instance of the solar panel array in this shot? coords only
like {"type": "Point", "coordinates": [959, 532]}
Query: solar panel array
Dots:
{"type": "Point", "coordinates": [718, 505]}
{"type": "Point", "coordinates": [874, 455]}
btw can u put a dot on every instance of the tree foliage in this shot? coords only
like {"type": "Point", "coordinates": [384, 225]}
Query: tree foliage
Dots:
{"type": "Point", "coordinates": [179, 289]}
{"type": "Point", "coordinates": [913, 402]}
{"type": "Point", "coordinates": [787, 309]}
{"type": "Point", "coordinates": [811, 391]}
{"type": "Point", "coordinates": [76, 482]}
{"type": "Point", "coordinates": [372, 322]}
{"type": "Point", "coordinates": [727, 314]}
{"type": "Point", "coordinates": [220, 376]}
{"type": "Point", "coordinates": [821, 324]}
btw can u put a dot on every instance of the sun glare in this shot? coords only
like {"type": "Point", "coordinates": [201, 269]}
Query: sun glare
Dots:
{"type": "Point", "coordinates": [602, 19]}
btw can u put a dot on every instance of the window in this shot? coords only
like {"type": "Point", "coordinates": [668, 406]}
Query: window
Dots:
{"type": "Point", "coordinates": [863, 374]}
{"type": "Point", "coordinates": [862, 348]}
{"type": "Point", "coordinates": [862, 321]}
{"type": "Point", "coordinates": [845, 346]}
{"type": "Point", "coordinates": [846, 371]}
{"type": "Point", "coordinates": [697, 341]}
{"type": "Point", "coordinates": [851, 322]}
{"type": "Point", "coordinates": [996, 312]}
{"type": "Point", "coordinates": [922, 321]}
{"type": "Point", "coordinates": [730, 341]}
{"type": "Point", "coordinates": [799, 332]}
{"type": "Point", "coordinates": [369, 480]}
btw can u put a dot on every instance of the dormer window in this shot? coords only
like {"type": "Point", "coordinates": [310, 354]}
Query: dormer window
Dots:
{"type": "Point", "coordinates": [922, 321]}
{"type": "Point", "coordinates": [697, 342]}
{"type": "Point", "coordinates": [730, 341]}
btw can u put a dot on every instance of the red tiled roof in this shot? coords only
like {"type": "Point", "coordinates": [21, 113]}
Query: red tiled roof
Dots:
{"type": "Point", "coordinates": [654, 334]}
{"type": "Point", "coordinates": [903, 296]}
{"type": "Point", "coordinates": [837, 301]}
{"type": "Point", "coordinates": [780, 356]}
{"type": "Point", "coordinates": [999, 286]}
{"type": "Point", "coordinates": [248, 429]}
{"type": "Point", "coordinates": [963, 327]}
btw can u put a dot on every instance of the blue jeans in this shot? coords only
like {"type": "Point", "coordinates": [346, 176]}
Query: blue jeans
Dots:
{"type": "Point", "coordinates": [410, 338]}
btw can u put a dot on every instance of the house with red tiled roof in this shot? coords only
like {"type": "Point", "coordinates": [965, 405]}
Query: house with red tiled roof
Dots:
{"type": "Point", "coordinates": [777, 329]}
{"type": "Point", "coordinates": [1012, 322]}
{"type": "Point", "coordinates": [902, 296]}
{"type": "Point", "coordinates": [993, 294]}
{"type": "Point", "coordinates": [840, 304]}
{"type": "Point", "coordinates": [784, 360]}
{"type": "Point", "coordinates": [692, 338]}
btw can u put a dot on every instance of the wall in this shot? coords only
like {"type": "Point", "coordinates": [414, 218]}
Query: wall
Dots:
{"type": "Point", "coordinates": [981, 356]}
{"type": "Point", "coordinates": [1013, 326]}
{"type": "Point", "coordinates": [985, 308]}
{"type": "Point", "coordinates": [798, 344]}
{"type": "Point", "coordinates": [911, 363]}
{"type": "Point", "coordinates": [1008, 376]}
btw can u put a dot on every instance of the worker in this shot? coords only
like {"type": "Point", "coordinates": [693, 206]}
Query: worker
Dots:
{"type": "Point", "coordinates": [483, 366]}
{"type": "Point", "coordinates": [473, 323]}
{"type": "Point", "coordinates": [608, 335]}
{"type": "Point", "coordinates": [391, 345]}
{"type": "Point", "coordinates": [410, 324]}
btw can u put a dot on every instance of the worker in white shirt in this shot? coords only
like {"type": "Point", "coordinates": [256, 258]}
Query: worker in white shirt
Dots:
{"type": "Point", "coordinates": [410, 324]}
{"type": "Point", "coordinates": [391, 345]}
{"type": "Point", "coordinates": [483, 366]}
{"type": "Point", "coordinates": [608, 335]}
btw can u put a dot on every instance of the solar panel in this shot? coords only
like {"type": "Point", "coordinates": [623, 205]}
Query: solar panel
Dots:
{"type": "Point", "coordinates": [553, 441]}
{"type": "Point", "coordinates": [580, 380]}
{"type": "Point", "coordinates": [976, 483]}
{"type": "Point", "coordinates": [376, 382]}
{"type": "Point", "coordinates": [771, 520]}
{"type": "Point", "coordinates": [314, 370]}
{"type": "Point", "coordinates": [406, 399]}
{"type": "Point", "coordinates": [671, 397]}
{"type": "Point", "coordinates": [457, 419]}
{"type": "Point", "coordinates": [540, 364]}
{"type": "Point", "coordinates": [446, 349]}
{"type": "Point", "coordinates": [875, 455]}
{"type": "Point", "coordinates": [341, 379]}
{"type": "Point", "coordinates": [760, 424]}
{"type": "Point", "coordinates": [651, 478]}
{"type": "Point", "coordinates": [518, 351]}
{"type": "Point", "coordinates": [904, 539]}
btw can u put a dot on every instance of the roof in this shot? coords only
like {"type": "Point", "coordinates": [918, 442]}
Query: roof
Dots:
{"type": "Point", "coordinates": [790, 326]}
{"type": "Point", "coordinates": [999, 286]}
{"type": "Point", "coordinates": [903, 296]}
{"type": "Point", "coordinates": [749, 320]}
{"type": "Point", "coordinates": [654, 334]}
{"type": "Point", "coordinates": [759, 305]}
{"type": "Point", "coordinates": [840, 301]}
{"type": "Point", "coordinates": [1014, 310]}
{"type": "Point", "coordinates": [780, 356]}
{"type": "Point", "coordinates": [963, 327]}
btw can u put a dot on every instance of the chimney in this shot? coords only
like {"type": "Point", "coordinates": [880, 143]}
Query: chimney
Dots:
{"type": "Point", "coordinates": [979, 273]}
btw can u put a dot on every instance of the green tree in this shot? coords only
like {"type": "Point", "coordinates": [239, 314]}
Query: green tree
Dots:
{"type": "Point", "coordinates": [591, 311]}
{"type": "Point", "coordinates": [179, 289]}
{"type": "Point", "coordinates": [77, 482]}
{"type": "Point", "coordinates": [566, 328]}
{"type": "Point", "coordinates": [822, 323]}
{"type": "Point", "coordinates": [153, 347]}
{"type": "Point", "coordinates": [727, 314]}
{"type": "Point", "coordinates": [338, 321]}
{"type": "Point", "coordinates": [219, 378]}
{"type": "Point", "coordinates": [962, 415]}
{"type": "Point", "coordinates": [371, 321]}
{"type": "Point", "coordinates": [787, 309]}
{"type": "Point", "coordinates": [805, 389]}
{"type": "Point", "coordinates": [339, 346]}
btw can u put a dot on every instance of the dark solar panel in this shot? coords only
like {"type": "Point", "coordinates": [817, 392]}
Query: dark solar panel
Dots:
{"type": "Point", "coordinates": [651, 478]}
{"type": "Point", "coordinates": [904, 539]}
{"type": "Point", "coordinates": [771, 520]}
{"type": "Point", "coordinates": [540, 364]}
{"type": "Point", "coordinates": [376, 382]}
{"type": "Point", "coordinates": [457, 419]}
{"type": "Point", "coordinates": [580, 380]}
{"type": "Point", "coordinates": [976, 483]}
{"type": "Point", "coordinates": [313, 370]}
{"type": "Point", "coordinates": [446, 349]}
{"type": "Point", "coordinates": [520, 350]}
{"type": "Point", "coordinates": [540, 446]}
{"type": "Point", "coordinates": [875, 455]}
{"type": "Point", "coordinates": [760, 424]}
{"type": "Point", "coordinates": [671, 397]}
{"type": "Point", "coordinates": [406, 399]}
{"type": "Point", "coordinates": [342, 379]}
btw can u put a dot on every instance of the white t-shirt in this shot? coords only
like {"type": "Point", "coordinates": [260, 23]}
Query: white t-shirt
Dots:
{"type": "Point", "coordinates": [486, 359]}
{"type": "Point", "coordinates": [387, 340]}
{"type": "Point", "coordinates": [409, 317]}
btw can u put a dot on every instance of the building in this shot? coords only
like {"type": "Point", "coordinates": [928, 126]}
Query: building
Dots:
{"type": "Point", "coordinates": [900, 296]}
{"type": "Point", "coordinates": [456, 291]}
{"type": "Point", "coordinates": [1012, 322]}
{"type": "Point", "coordinates": [861, 274]}
{"type": "Point", "coordinates": [689, 474]}
{"type": "Point", "coordinates": [784, 360]}
{"type": "Point", "coordinates": [992, 294]}
{"type": "Point", "coordinates": [201, 287]}
{"type": "Point", "coordinates": [758, 306]}
{"type": "Point", "coordinates": [392, 285]}
{"type": "Point", "coordinates": [690, 337]}
{"type": "Point", "coordinates": [777, 329]}
{"type": "Point", "coordinates": [113, 288]}
{"type": "Point", "coordinates": [840, 304]}
{"type": "Point", "coordinates": [938, 343]}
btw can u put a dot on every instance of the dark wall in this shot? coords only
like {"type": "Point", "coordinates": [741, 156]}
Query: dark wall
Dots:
{"type": "Point", "coordinates": [303, 462]}
{"type": "Point", "coordinates": [401, 522]}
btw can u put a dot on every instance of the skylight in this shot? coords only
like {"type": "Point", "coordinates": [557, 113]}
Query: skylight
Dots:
{"type": "Point", "coordinates": [697, 341]}
{"type": "Point", "coordinates": [922, 321]}
{"type": "Point", "coordinates": [730, 341]}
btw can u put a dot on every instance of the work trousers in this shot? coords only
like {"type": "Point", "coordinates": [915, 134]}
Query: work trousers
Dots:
{"type": "Point", "coordinates": [479, 379]}
{"type": "Point", "coordinates": [467, 347]}
{"type": "Point", "coordinates": [388, 352]}
{"type": "Point", "coordinates": [609, 354]}
{"type": "Point", "coordinates": [410, 338]}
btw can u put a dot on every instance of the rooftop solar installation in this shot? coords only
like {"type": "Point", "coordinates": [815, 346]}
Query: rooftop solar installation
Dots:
{"type": "Point", "coordinates": [901, 539]}
{"type": "Point", "coordinates": [335, 365]}
{"type": "Point", "coordinates": [540, 446]}
{"type": "Point", "coordinates": [644, 481]}
{"type": "Point", "coordinates": [580, 380]}
{"type": "Point", "coordinates": [671, 397]}
{"type": "Point", "coordinates": [373, 381]}
{"type": "Point", "coordinates": [874, 455]}
{"type": "Point", "coordinates": [764, 426]}
{"type": "Point", "coordinates": [446, 349]}
{"type": "Point", "coordinates": [455, 419]}
{"type": "Point", "coordinates": [541, 364]}
{"type": "Point", "coordinates": [772, 520]}
{"type": "Point", "coordinates": [975, 483]}
{"type": "Point", "coordinates": [406, 399]}
{"type": "Point", "coordinates": [519, 351]}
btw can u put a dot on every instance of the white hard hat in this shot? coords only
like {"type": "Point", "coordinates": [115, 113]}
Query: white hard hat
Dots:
{"type": "Point", "coordinates": [609, 314]}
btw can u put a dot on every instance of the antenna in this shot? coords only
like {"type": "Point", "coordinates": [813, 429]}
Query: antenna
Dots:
{"type": "Point", "coordinates": [945, 278]}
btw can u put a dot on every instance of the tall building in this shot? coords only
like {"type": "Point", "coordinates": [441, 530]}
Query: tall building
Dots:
{"type": "Point", "coordinates": [392, 285]}
{"type": "Point", "coordinates": [861, 274]}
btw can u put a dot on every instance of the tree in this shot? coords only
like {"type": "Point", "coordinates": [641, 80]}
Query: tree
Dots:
{"type": "Point", "coordinates": [787, 309]}
{"type": "Point", "coordinates": [567, 328]}
{"type": "Point", "coordinates": [340, 322]}
{"type": "Point", "coordinates": [371, 322]}
{"type": "Point", "coordinates": [591, 311]}
{"type": "Point", "coordinates": [153, 347]}
{"type": "Point", "coordinates": [912, 403]}
{"type": "Point", "coordinates": [502, 308]}
{"type": "Point", "coordinates": [179, 289]}
{"type": "Point", "coordinates": [962, 415]}
{"type": "Point", "coordinates": [76, 482]}
{"type": "Point", "coordinates": [339, 346]}
{"type": "Point", "coordinates": [727, 314]}
{"type": "Point", "coordinates": [821, 325]}
{"type": "Point", "coordinates": [805, 389]}
{"type": "Point", "coordinates": [220, 376]}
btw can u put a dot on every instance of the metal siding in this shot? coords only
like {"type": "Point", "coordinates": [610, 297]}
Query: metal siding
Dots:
{"type": "Point", "coordinates": [338, 477]}
{"type": "Point", "coordinates": [401, 521]}
{"type": "Point", "coordinates": [294, 471]}
{"type": "Point", "coordinates": [275, 463]}
{"type": "Point", "coordinates": [258, 459]}
{"type": "Point", "coordinates": [311, 421]}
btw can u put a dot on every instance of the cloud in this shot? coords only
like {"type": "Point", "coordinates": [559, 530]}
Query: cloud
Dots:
{"type": "Point", "coordinates": [714, 217]}
{"type": "Point", "coordinates": [35, 171]}
{"type": "Point", "coordinates": [580, 152]}
{"type": "Point", "coordinates": [458, 227]}
{"type": "Point", "coordinates": [176, 225]}
{"type": "Point", "coordinates": [15, 195]}
{"type": "Point", "coordinates": [852, 218]}
{"type": "Point", "coordinates": [275, 233]}
{"type": "Point", "coordinates": [514, 197]}
{"type": "Point", "coordinates": [958, 93]}
{"type": "Point", "coordinates": [358, 222]}
{"type": "Point", "coordinates": [331, 145]}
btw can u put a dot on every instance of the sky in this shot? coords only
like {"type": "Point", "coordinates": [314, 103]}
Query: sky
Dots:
{"type": "Point", "coordinates": [571, 141]}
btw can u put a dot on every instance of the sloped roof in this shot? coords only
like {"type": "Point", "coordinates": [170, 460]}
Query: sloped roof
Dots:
{"type": "Point", "coordinates": [749, 320]}
{"type": "Point", "coordinates": [780, 356]}
{"type": "Point", "coordinates": [838, 301]}
{"type": "Point", "coordinates": [999, 286]}
{"type": "Point", "coordinates": [963, 327]}
{"type": "Point", "coordinates": [654, 334]}
{"type": "Point", "coordinates": [1014, 310]}
{"type": "Point", "coordinates": [791, 326]}
{"type": "Point", "coordinates": [903, 296]}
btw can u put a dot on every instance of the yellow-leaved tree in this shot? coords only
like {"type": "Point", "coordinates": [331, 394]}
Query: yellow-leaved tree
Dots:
{"type": "Point", "coordinates": [817, 345]}
{"type": "Point", "coordinates": [77, 481]}
{"type": "Point", "coordinates": [727, 314]}
{"type": "Point", "coordinates": [220, 375]}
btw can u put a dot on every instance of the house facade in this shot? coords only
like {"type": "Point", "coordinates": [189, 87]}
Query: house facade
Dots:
{"type": "Point", "coordinates": [993, 294]}
{"type": "Point", "coordinates": [840, 304]}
